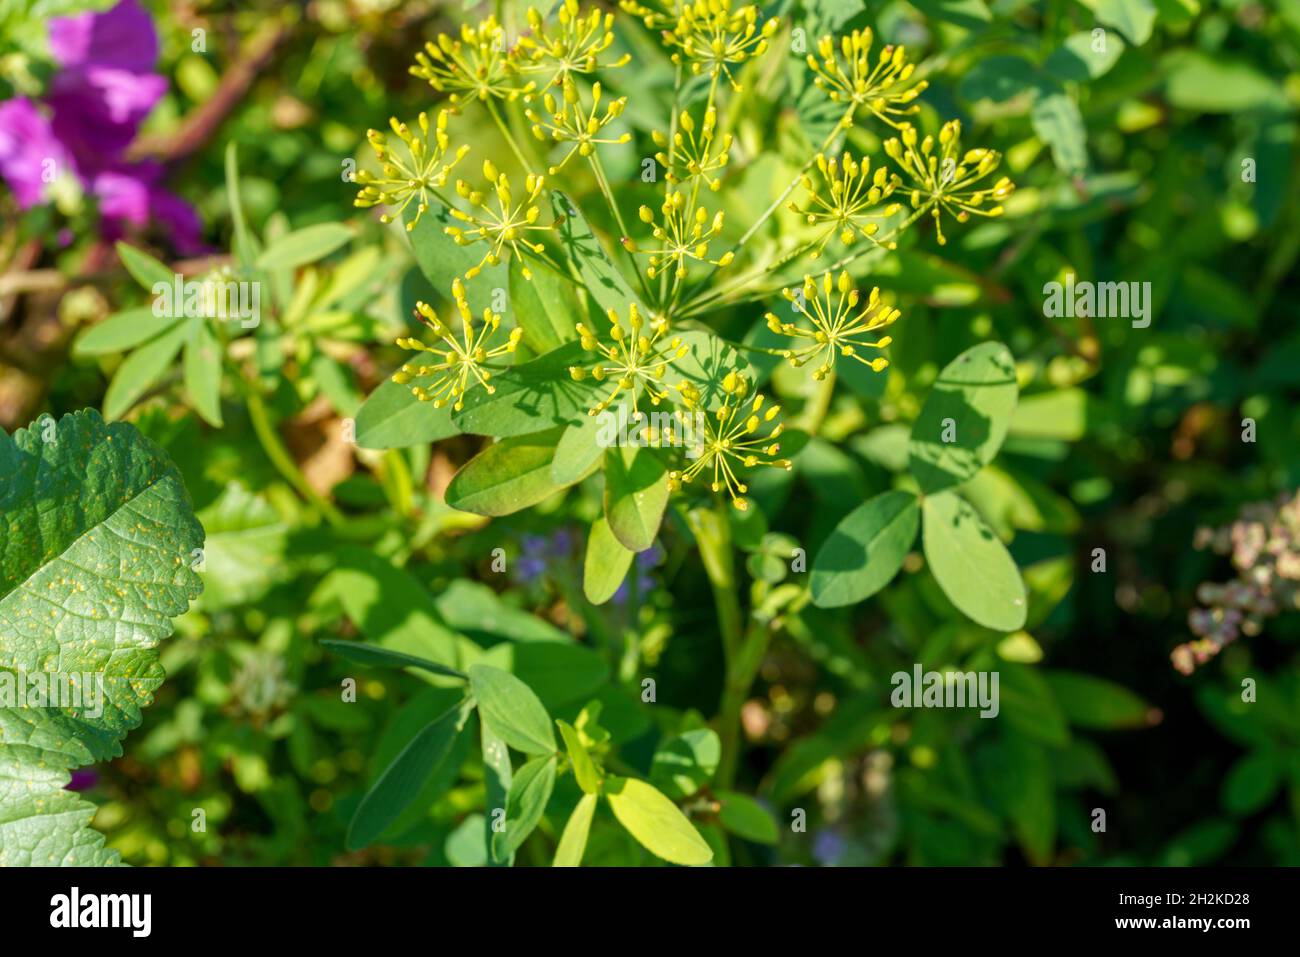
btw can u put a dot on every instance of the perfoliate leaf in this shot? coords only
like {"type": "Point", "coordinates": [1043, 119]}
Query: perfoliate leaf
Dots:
{"type": "Point", "coordinates": [97, 550]}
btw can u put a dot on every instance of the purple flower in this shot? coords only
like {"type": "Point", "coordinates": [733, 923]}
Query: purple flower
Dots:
{"type": "Point", "coordinates": [83, 779]}
{"type": "Point", "coordinates": [103, 91]}
{"type": "Point", "coordinates": [30, 154]}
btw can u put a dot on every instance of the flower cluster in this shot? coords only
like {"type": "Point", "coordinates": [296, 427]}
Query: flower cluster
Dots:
{"type": "Point", "coordinates": [692, 154]}
{"type": "Point", "coordinates": [418, 176]}
{"type": "Point", "coordinates": [944, 179]}
{"type": "Point", "coordinates": [1264, 544]}
{"type": "Point", "coordinates": [547, 79]}
{"type": "Point", "coordinates": [461, 363]}
{"type": "Point", "coordinates": [502, 226]}
{"type": "Point", "coordinates": [573, 47]}
{"type": "Point", "coordinates": [840, 321]}
{"type": "Point", "coordinates": [682, 237]}
{"type": "Point", "coordinates": [569, 122]}
{"type": "Point", "coordinates": [713, 38]}
{"type": "Point", "coordinates": [634, 361]}
{"type": "Point", "coordinates": [477, 66]}
{"type": "Point", "coordinates": [849, 203]}
{"type": "Point", "coordinates": [847, 76]}
{"type": "Point", "coordinates": [740, 433]}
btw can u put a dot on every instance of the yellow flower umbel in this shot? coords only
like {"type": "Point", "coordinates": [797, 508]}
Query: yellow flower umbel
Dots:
{"type": "Point", "coordinates": [459, 366]}
{"type": "Point", "coordinates": [692, 153]}
{"type": "Point", "coordinates": [661, 15]}
{"type": "Point", "coordinates": [424, 170]}
{"type": "Point", "coordinates": [847, 76]}
{"type": "Point", "coordinates": [945, 179]}
{"type": "Point", "coordinates": [506, 226]}
{"type": "Point", "coordinates": [570, 122]}
{"type": "Point", "coordinates": [574, 46]}
{"type": "Point", "coordinates": [475, 67]}
{"type": "Point", "coordinates": [713, 38]}
{"type": "Point", "coordinates": [635, 361]}
{"type": "Point", "coordinates": [681, 237]}
{"type": "Point", "coordinates": [846, 205]}
{"type": "Point", "coordinates": [734, 436]}
{"type": "Point", "coordinates": [839, 323]}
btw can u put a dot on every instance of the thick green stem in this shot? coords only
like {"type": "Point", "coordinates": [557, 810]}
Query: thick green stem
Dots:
{"type": "Point", "coordinates": [742, 649]}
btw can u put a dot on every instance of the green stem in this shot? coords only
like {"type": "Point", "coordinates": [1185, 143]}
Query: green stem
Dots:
{"type": "Point", "coordinates": [283, 461]}
{"type": "Point", "coordinates": [742, 651]}
{"type": "Point", "coordinates": [509, 137]}
{"type": "Point", "coordinates": [815, 409]}
{"type": "Point", "coordinates": [599, 169]}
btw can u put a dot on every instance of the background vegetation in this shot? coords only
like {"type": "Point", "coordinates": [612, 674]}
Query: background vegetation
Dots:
{"type": "Point", "coordinates": [1125, 439]}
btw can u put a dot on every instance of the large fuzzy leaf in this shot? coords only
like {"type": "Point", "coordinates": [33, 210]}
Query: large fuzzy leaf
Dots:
{"type": "Point", "coordinates": [98, 543]}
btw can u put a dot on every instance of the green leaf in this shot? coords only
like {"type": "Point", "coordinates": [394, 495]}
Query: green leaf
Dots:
{"type": "Point", "coordinates": [525, 804]}
{"type": "Point", "coordinates": [578, 452]}
{"type": "Point", "coordinates": [602, 278]}
{"type": "Point", "coordinates": [202, 366]}
{"type": "Point", "coordinates": [970, 403]}
{"type": "Point", "coordinates": [636, 494]}
{"type": "Point", "coordinates": [546, 307]}
{"type": "Point", "coordinates": [1090, 702]}
{"type": "Point", "coordinates": [1133, 18]}
{"type": "Point", "coordinates": [686, 762]}
{"type": "Point", "coordinates": [1078, 60]}
{"type": "Point", "coordinates": [574, 839]}
{"type": "Point", "coordinates": [303, 246]}
{"type": "Point", "coordinates": [141, 370]}
{"type": "Point", "coordinates": [656, 822]}
{"type": "Point", "coordinates": [1251, 783]}
{"type": "Point", "coordinates": [971, 566]}
{"type": "Point", "coordinates": [511, 710]}
{"type": "Point", "coordinates": [97, 550]}
{"type": "Point", "coordinates": [144, 269]}
{"type": "Point", "coordinates": [866, 550]}
{"type": "Point", "coordinates": [606, 563]}
{"type": "Point", "coordinates": [999, 79]}
{"type": "Point", "coordinates": [389, 606]}
{"type": "Point", "coordinates": [403, 780]}
{"type": "Point", "coordinates": [1062, 414]}
{"type": "Point", "coordinates": [244, 554]}
{"type": "Point", "coordinates": [498, 775]}
{"type": "Point", "coordinates": [1214, 84]}
{"type": "Point", "coordinates": [393, 418]}
{"type": "Point", "coordinates": [385, 658]}
{"type": "Point", "coordinates": [122, 331]}
{"type": "Point", "coordinates": [507, 476]}
{"type": "Point", "coordinates": [583, 769]}
{"type": "Point", "coordinates": [528, 398]}
{"type": "Point", "coordinates": [442, 260]}
{"type": "Point", "coordinates": [707, 362]}
{"type": "Point", "coordinates": [246, 246]}
{"type": "Point", "coordinates": [1058, 123]}
{"type": "Point", "coordinates": [745, 817]}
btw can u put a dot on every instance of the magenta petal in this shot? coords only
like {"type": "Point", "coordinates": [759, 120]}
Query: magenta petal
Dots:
{"type": "Point", "coordinates": [97, 111]}
{"type": "Point", "coordinates": [122, 38]}
{"type": "Point", "coordinates": [30, 153]}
